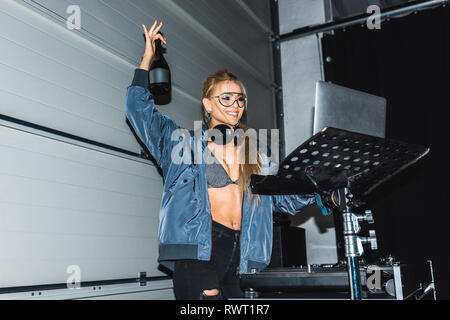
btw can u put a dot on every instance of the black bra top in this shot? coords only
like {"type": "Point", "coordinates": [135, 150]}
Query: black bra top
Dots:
{"type": "Point", "coordinates": [216, 176]}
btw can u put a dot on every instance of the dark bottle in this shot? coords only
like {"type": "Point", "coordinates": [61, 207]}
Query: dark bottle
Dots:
{"type": "Point", "coordinates": [160, 80]}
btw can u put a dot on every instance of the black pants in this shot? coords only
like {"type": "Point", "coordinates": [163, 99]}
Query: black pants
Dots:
{"type": "Point", "coordinates": [192, 277]}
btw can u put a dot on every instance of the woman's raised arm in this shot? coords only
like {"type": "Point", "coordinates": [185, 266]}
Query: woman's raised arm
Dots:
{"type": "Point", "coordinates": [150, 37]}
{"type": "Point", "coordinates": [152, 128]}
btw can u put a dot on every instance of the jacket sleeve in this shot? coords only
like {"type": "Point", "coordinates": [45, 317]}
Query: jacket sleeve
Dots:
{"type": "Point", "coordinates": [291, 204]}
{"type": "Point", "coordinates": [153, 128]}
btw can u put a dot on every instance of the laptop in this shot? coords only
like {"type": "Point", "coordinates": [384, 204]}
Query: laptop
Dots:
{"type": "Point", "coordinates": [349, 109]}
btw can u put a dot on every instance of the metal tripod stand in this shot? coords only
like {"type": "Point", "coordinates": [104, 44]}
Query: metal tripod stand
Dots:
{"type": "Point", "coordinates": [342, 167]}
{"type": "Point", "coordinates": [342, 200]}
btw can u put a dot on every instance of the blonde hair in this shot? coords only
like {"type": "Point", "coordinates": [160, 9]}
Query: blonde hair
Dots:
{"type": "Point", "coordinates": [246, 169]}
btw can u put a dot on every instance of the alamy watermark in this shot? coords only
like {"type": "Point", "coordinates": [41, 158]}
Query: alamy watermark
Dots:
{"type": "Point", "coordinates": [74, 279]}
{"type": "Point", "coordinates": [74, 20]}
{"type": "Point", "coordinates": [374, 21]}
{"type": "Point", "coordinates": [373, 279]}
{"type": "Point", "coordinates": [250, 143]}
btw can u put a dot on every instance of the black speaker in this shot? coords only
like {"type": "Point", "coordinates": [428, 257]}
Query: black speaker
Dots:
{"type": "Point", "coordinates": [288, 245]}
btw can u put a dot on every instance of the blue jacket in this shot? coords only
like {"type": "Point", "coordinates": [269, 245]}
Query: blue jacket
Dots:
{"type": "Point", "coordinates": [185, 217]}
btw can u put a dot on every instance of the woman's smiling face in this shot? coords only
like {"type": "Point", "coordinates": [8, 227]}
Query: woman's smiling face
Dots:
{"type": "Point", "coordinates": [229, 91]}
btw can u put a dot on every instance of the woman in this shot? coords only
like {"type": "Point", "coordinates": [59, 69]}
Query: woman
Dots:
{"type": "Point", "coordinates": [211, 226]}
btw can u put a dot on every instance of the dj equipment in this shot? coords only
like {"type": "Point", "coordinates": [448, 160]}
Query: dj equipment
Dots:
{"type": "Point", "coordinates": [379, 281]}
{"type": "Point", "coordinates": [284, 254]}
{"type": "Point", "coordinates": [342, 167]}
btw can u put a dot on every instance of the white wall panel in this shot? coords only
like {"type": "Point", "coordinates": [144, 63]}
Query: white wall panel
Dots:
{"type": "Point", "coordinates": [260, 8]}
{"type": "Point", "coordinates": [226, 20]}
{"type": "Point", "coordinates": [155, 289]}
{"type": "Point", "coordinates": [64, 205]}
{"type": "Point", "coordinates": [57, 79]}
{"type": "Point", "coordinates": [164, 294]}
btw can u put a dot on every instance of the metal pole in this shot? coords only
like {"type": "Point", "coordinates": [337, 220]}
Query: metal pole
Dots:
{"type": "Point", "coordinates": [354, 277]}
{"type": "Point", "coordinates": [353, 248]}
{"type": "Point", "coordinates": [278, 89]}
{"type": "Point", "coordinates": [432, 284]}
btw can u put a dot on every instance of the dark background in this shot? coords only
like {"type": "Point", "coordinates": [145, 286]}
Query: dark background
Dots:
{"type": "Point", "coordinates": [407, 62]}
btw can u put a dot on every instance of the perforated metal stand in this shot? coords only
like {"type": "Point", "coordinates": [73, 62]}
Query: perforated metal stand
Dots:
{"type": "Point", "coordinates": [342, 167]}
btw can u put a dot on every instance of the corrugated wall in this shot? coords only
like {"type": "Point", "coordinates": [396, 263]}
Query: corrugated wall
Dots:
{"type": "Point", "coordinates": [78, 194]}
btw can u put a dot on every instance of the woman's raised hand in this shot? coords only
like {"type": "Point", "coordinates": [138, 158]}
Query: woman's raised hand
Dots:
{"type": "Point", "coordinates": [150, 37]}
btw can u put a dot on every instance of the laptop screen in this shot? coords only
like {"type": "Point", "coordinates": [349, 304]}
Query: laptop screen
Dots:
{"type": "Point", "coordinates": [349, 109]}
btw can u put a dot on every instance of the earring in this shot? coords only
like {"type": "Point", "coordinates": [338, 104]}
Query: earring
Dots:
{"type": "Point", "coordinates": [208, 115]}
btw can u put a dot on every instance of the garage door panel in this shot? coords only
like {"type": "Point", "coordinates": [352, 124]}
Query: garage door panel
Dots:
{"type": "Point", "coordinates": [260, 9]}
{"type": "Point", "coordinates": [118, 24]}
{"type": "Point", "coordinates": [58, 44]}
{"type": "Point", "coordinates": [39, 271]}
{"type": "Point", "coordinates": [226, 20]}
{"type": "Point", "coordinates": [63, 204]}
{"type": "Point", "coordinates": [71, 171]}
{"type": "Point", "coordinates": [49, 220]}
{"type": "Point", "coordinates": [59, 99]}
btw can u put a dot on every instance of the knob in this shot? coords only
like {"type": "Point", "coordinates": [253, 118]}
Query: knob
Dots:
{"type": "Point", "coordinates": [372, 239]}
{"type": "Point", "coordinates": [369, 216]}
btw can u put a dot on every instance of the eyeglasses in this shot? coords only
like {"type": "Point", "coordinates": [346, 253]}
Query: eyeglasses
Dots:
{"type": "Point", "coordinates": [226, 99]}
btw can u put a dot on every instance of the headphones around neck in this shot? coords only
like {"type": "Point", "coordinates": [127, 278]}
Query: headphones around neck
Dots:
{"type": "Point", "coordinates": [223, 134]}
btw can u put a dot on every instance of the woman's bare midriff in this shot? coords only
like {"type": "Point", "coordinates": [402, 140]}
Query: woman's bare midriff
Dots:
{"type": "Point", "coordinates": [226, 204]}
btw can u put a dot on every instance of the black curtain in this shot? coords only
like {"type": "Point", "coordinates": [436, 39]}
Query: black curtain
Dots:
{"type": "Point", "coordinates": [407, 62]}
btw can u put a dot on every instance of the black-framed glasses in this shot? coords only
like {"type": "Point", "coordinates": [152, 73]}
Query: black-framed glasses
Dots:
{"type": "Point", "coordinates": [226, 99]}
